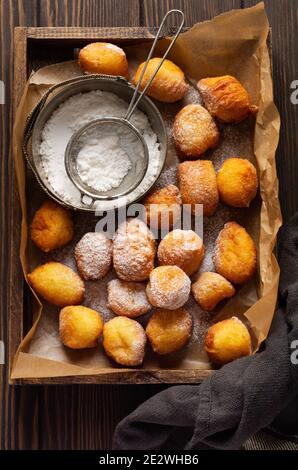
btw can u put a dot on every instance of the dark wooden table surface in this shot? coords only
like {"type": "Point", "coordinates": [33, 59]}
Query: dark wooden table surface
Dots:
{"type": "Point", "coordinates": [77, 417]}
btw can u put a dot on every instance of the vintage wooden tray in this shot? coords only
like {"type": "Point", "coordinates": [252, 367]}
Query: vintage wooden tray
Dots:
{"type": "Point", "coordinates": [29, 55]}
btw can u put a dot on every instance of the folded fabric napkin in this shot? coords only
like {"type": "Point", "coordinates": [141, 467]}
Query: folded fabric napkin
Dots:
{"type": "Point", "coordinates": [240, 398]}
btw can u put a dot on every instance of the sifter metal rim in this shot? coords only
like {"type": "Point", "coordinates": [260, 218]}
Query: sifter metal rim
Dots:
{"type": "Point", "coordinates": [74, 176]}
{"type": "Point", "coordinates": [78, 84]}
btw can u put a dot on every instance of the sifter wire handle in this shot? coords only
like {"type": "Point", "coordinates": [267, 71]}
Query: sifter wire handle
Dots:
{"type": "Point", "coordinates": [135, 101]}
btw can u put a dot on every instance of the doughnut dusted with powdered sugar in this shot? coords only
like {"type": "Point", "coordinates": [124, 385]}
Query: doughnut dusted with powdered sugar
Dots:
{"type": "Point", "coordinates": [169, 330]}
{"type": "Point", "coordinates": [182, 248]}
{"type": "Point", "coordinates": [133, 251]}
{"type": "Point", "coordinates": [195, 131]}
{"type": "Point", "coordinates": [197, 184]}
{"type": "Point", "coordinates": [168, 287]}
{"type": "Point", "coordinates": [210, 289]}
{"type": "Point", "coordinates": [128, 298]}
{"type": "Point", "coordinates": [93, 254]}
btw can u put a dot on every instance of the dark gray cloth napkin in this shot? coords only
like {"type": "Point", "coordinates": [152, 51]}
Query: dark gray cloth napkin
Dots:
{"type": "Point", "coordinates": [240, 398]}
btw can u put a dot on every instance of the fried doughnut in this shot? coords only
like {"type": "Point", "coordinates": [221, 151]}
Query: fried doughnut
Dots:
{"type": "Point", "coordinates": [226, 99]}
{"type": "Point", "coordinates": [168, 287]}
{"type": "Point", "coordinates": [51, 227]}
{"type": "Point", "coordinates": [163, 206]}
{"type": "Point", "coordinates": [235, 255]}
{"type": "Point", "coordinates": [128, 298]}
{"type": "Point", "coordinates": [210, 288]}
{"type": "Point", "coordinates": [194, 131]}
{"type": "Point", "coordinates": [80, 327]}
{"type": "Point", "coordinates": [182, 248]}
{"type": "Point", "coordinates": [237, 182]}
{"type": "Point", "coordinates": [169, 330]}
{"type": "Point", "coordinates": [57, 283]}
{"type": "Point", "coordinates": [227, 340]}
{"type": "Point", "coordinates": [197, 183]}
{"type": "Point", "coordinates": [93, 254]}
{"type": "Point", "coordinates": [168, 85]}
{"type": "Point", "coordinates": [103, 57]}
{"type": "Point", "coordinates": [133, 251]}
{"type": "Point", "coordinates": [124, 341]}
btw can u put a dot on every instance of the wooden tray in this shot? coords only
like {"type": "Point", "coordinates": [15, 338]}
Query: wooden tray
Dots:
{"type": "Point", "coordinates": [35, 48]}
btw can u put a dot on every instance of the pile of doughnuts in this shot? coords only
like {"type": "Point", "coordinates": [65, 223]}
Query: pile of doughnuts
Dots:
{"type": "Point", "coordinates": [159, 279]}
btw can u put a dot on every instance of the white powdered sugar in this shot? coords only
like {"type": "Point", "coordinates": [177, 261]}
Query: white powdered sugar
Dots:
{"type": "Point", "coordinates": [72, 115]}
{"type": "Point", "coordinates": [102, 163]}
{"type": "Point", "coordinates": [128, 298]}
{"type": "Point", "coordinates": [168, 287]}
{"type": "Point", "coordinates": [93, 255]}
{"type": "Point", "coordinates": [133, 251]}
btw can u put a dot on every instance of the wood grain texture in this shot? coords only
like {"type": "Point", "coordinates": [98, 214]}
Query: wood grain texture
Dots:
{"type": "Point", "coordinates": [147, 377]}
{"type": "Point", "coordinates": [88, 13]}
{"type": "Point", "coordinates": [153, 10]}
{"type": "Point", "coordinates": [51, 45]}
{"type": "Point", "coordinates": [90, 33]}
{"type": "Point", "coordinates": [9, 15]}
{"type": "Point", "coordinates": [283, 19]}
{"type": "Point", "coordinates": [50, 417]}
{"type": "Point", "coordinates": [84, 416]}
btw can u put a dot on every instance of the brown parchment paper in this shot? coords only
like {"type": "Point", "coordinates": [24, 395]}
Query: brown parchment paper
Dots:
{"type": "Point", "coordinates": [233, 43]}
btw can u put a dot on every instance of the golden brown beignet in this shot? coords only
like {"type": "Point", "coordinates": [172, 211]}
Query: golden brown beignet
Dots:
{"type": "Point", "coordinates": [93, 254]}
{"type": "Point", "coordinates": [168, 287]}
{"type": "Point", "coordinates": [210, 289]}
{"type": "Point", "coordinates": [195, 131]}
{"type": "Point", "coordinates": [57, 283]}
{"type": "Point", "coordinates": [227, 340]}
{"type": "Point", "coordinates": [169, 330]}
{"type": "Point", "coordinates": [128, 298]}
{"type": "Point", "coordinates": [182, 248]}
{"type": "Point", "coordinates": [163, 205]}
{"type": "Point", "coordinates": [51, 227]}
{"type": "Point", "coordinates": [197, 184]}
{"type": "Point", "coordinates": [133, 251]}
{"type": "Point", "coordinates": [103, 57]}
{"type": "Point", "coordinates": [235, 255]}
{"type": "Point", "coordinates": [124, 341]}
{"type": "Point", "coordinates": [169, 84]}
{"type": "Point", "coordinates": [80, 327]}
{"type": "Point", "coordinates": [226, 99]}
{"type": "Point", "coordinates": [237, 182]}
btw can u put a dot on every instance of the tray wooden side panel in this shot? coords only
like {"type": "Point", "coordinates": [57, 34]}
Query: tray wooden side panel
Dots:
{"type": "Point", "coordinates": [16, 280]}
{"type": "Point", "coordinates": [87, 34]}
{"type": "Point", "coordinates": [124, 377]}
{"type": "Point", "coordinates": [26, 42]}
